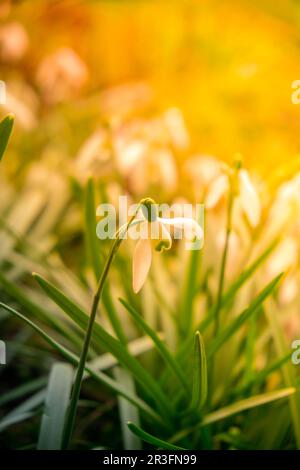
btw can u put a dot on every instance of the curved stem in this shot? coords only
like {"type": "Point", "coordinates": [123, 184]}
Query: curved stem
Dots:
{"type": "Point", "coordinates": [223, 263]}
{"type": "Point", "coordinates": [70, 420]}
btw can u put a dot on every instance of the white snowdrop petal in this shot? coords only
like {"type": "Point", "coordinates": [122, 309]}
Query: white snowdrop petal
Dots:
{"type": "Point", "coordinates": [160, 233]}
{"type": "Point", "coordinates": [141, 263]}
{"type": "Point", "coordinates": [249, 198]}
{"type": "Point", "coordinates": [216, 191]}
{"type": "Point", "coordinates": [190, 226]}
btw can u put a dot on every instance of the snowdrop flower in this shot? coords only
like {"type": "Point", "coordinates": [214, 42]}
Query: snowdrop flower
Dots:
{"type": "Point", "coordinates": [284, 257]}
{"type": "Point", "coordinates": [94, 156]}
{"type": "Point", "coordinates": [177, 129]}
{"type": "Point", "coordinates": [201, 171]}
{"type": "Point", "coordinates": [155, 230]}
{"type": "Point", "coordinates": [243, 187]}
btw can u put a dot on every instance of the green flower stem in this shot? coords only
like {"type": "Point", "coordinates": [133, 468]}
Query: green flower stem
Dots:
{"type": "Point", "coordinates": [221, 280]}
{"type": "Point", "coordinates": [70, 420]}
{"type": "Point", "coordinates": [223, 262]}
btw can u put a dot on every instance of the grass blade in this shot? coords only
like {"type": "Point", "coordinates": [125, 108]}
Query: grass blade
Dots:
{"type": "Point", "coordinates": [23, 411]}
{"type": "Point", "coordinates": [189, 290]}
{"type": "Point", "coordinates": [99, 376]}
{"type": "Point", "coordinates": [226, 298]}
{"type": "Point", "coordinates": [56, 405]}
{"type": "Point", "coordinates": [235, 408]}
{"type": "Point", "coordinates": [271, 312]}
{"type": "Point", "coordinates": [9, 421]}
{"type": "Point", "coordinates": [258, 378]}
{"type": "Point", "coordinates": [6, 126]}
{"type": "Point", "coordinates": [246, 404]}
{"type": "Point", "coordinates": [110, 343]}
{"type": "Point", "coordinates": [245, 275]}
{"type": "Point", "coordinates": [161, 347]}
{"type": "Point", "coordinates": [199, 394]}
{"type": "Point", "coordinates": [127, 411]}
{"type": "Point", "coordinates": [39, 312]}
{"type": "Point", "coordinates": [152, 439]}
{"type": "Point", "coordinates": [225, 334]}
{"type": "Point", "coordinates": [23, 390]}
{"type": "Point", "coordinates": [92, 243]}
{"type": "Point", "coordinates": [93, 254]}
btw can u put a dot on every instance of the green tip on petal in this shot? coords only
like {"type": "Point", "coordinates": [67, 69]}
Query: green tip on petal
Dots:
{"type": "Point", "coordinates": [163, 245]}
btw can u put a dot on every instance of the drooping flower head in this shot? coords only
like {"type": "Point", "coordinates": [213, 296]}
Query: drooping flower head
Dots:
{"type": "Point", "coordinates": [154, 232]}
{"type": "Point", "coordinates": [238, 180]}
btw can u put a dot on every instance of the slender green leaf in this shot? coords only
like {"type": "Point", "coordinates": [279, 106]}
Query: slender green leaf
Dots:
{"type": "Point", "coordinates": [234, 441]}
{"type": "Point", "coordinates": [245, 275]}
{"type": "Point", "coordinates": [226, 333]}
{"type": "Point", "coordinates": [288, 373]}
{"type": "Point", "coordinates": [257, 378]}
{"type": "Point", "coordinates": [189, 290]}
{"type": "Point", "coordinates": [92, 243]}
{"type": "Point", "coordinates": [93, 252]}
{"type": "Point", "coordinates": [161, 347]}
{"type": "Point", "coordinates": [235, 408]}
{"type": "Point", "coordinates": [145, 436]}
{"type": "Point", "coordinates": [110, 343]}
{"type": "Point", "coordinates": [11, 420]}
{"type": "Point", "coordinates": [97, 375]}
{"type": "Point", "coordinates": [6, 126]}
{"type": "Point", "coordinates": [250, 347]}
{"type": "Point", "coordinates": [234, 288]}
{"type": "Point", "coordinates": [23, 390]}
{"type": "Point", "coordinates": [226, 299]}
{"type": "Point", "coordinates": [24, 410]}
{"type": "Point", "coordinates": [39, 312]}
{"type": "Point", "coordinates": [246, 404]}
{"type": "Point", "coordinates": [56, 405]}
{"type": "Point", "coordinates": [127, 411]}
{"type": "Point", "coordinates": [199, 394]}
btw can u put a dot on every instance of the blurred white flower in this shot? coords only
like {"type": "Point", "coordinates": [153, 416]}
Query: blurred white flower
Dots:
{"type": "Point", "coordinates": [284, 257]}
{"type": "Point", "coordinates": [121, 100]}
{"type": "Point", "coordinates": [22, 100]}
{"type": "Point", "coordinates": [143, 156]}
{"type": "Point", "coordinates": [285, 210]}
{"type": "Point", "coordinates": [130, 146]}
{"type": "Point", "coordinates": [288, 290]}
{"type": "Point", "coordinates": [201, 170]}
{"type": "Point", "coordinates": [247, 196]}
{"type": "Point", "coordinates": [177, 129]}
{"type": "Point", "coordinates": [94, 156]}
{"type": "Point", "coordinates": [61, 75]}
{"type": "Point", "coordinates": [13, 42]}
